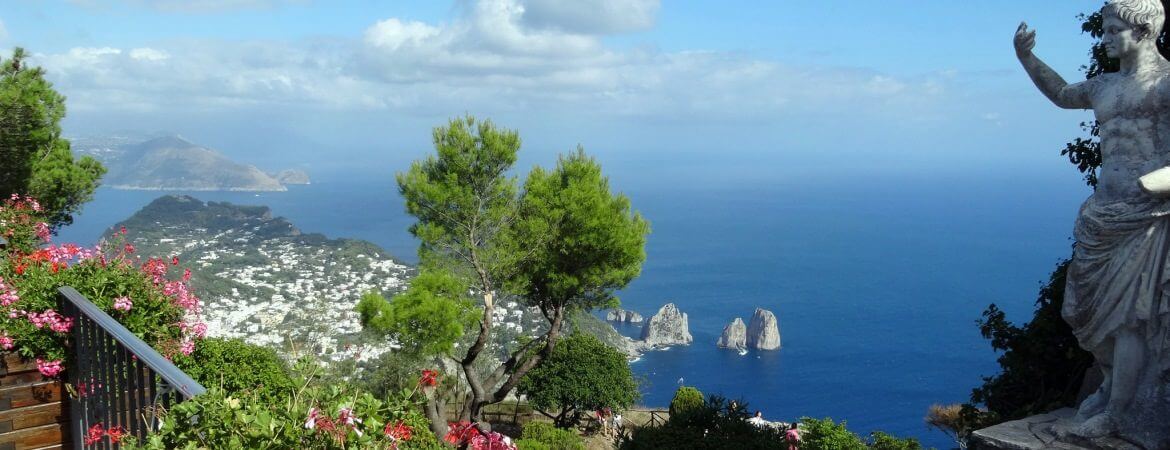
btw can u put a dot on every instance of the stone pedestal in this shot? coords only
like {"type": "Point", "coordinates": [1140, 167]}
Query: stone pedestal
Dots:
{"type": "Point", "coordinates": [1038, 432]}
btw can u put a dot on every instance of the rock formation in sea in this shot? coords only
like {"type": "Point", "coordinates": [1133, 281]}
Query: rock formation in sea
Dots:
{"type": "Point", "coordinates": [763, 332]}
{"type": "Point", "coordinates": [668, 327]}
{"type": "Point", "coordinates": [734, 335]}
{"type": "Point", "coordinates": [621, 315]}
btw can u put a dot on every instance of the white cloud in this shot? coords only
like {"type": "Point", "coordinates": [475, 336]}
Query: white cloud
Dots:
{"type": "Point", "coordinates": [149, 54]}
{"type": "Point", "coordinates": [490, 57]}
{"type": "Point", "coordinates": [392, 34]}
{"type": "Point", "coordinates": [591, 16]}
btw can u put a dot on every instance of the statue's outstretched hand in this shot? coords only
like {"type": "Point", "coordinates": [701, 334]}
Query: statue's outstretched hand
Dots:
{"type": "Point", "coordinates": [1025, 40]}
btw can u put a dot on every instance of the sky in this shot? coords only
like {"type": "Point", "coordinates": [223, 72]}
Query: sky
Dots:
{"type": "Point", "coordinates": [734, 90]}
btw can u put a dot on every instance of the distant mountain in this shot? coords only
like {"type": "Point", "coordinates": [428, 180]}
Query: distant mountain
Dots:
{"type": "Point", "coordinates": [171, 163]}
{"type": "Point", "coordinates": [291, 176]}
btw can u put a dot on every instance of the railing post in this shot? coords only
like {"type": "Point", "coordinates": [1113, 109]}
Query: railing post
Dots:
{"type": "Point", "coordinates": [118, 380]}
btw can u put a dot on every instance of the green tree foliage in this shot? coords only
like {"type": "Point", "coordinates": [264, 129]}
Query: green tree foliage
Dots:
{"type": "Point", "coordinates": [581, 374]}
{"type": "Point", "coordinates": [238, 367]}
{"type": "Point", "coordinates": [542, 436]}
{"type": "Point", "coordinates": [428, 318]}
{"type": "Point", "coordinates": [686, 400]}
{"type": "Point", "coordinates": [1043, 366]}
{"type": "Point", "coordinates": [34, 159]}
{"type": "Point", "coordinates": [564, 243]}
{"type": "Point", "coordinates": [588, 241]}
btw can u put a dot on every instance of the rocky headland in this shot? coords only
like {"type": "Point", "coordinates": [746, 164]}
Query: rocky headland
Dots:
{"type": "Point", "coordinates": [263, 280]}
{"type": "Point", "coordinates": [172, 163]}
{"type": "Point", "coordinates": [292, 176]}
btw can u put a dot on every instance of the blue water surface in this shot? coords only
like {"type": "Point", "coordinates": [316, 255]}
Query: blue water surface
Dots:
{"type": "Point", "coordinates": [877, 282]}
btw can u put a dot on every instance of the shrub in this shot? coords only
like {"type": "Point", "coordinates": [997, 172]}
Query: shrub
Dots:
{"type": "Point", "coordinates": [136, 292]}
{"type": "Point", "coordinates": [686, 399]}
{"type": "Point", "coordinates": [958, 421]}
{"type": "Point", "coordinates": [824, 434]}
{"type": "Point", "coordinates": [529, 444]}
{"type": "Point", "coordinates": [318, 417]}
{"type": "Point", "coordinates": [711, 425]}
{"type": "Point", "coordinates": [388, 373]}
{"type": "Point", "coordinates": [883, 441]}
{"type": "Point", "coordinates": [237, 367]}
{"type": "Point", "coordinates": [546, 436]}
{"type": "Point", "coordinates": [581, 374]}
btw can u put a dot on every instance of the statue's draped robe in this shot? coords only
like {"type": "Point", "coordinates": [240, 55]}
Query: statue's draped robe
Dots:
{"type": "Point", "coordinates": [1120, 274]}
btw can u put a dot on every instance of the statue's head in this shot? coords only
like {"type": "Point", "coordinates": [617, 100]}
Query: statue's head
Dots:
{"type": "Point", "coordinates": [1145, 17]}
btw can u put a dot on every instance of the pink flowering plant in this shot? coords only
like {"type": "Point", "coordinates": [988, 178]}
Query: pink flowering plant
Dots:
{"type": "Point", "coordinates": [316, 416]}
{"type": "Point", "coordinates": [147, 295]}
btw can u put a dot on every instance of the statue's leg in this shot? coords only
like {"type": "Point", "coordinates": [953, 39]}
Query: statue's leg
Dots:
{"type": "Point", "coordinates": [1128, 358]}
{"type": "Point", "coordinates": [1096, 402]}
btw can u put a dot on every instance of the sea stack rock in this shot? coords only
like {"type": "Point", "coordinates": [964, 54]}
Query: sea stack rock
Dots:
{"type": "Point", "coordinates": [763, 333]}
{"type": "Point", "coordinates": [668, 327]}
{"type": "Point", "coordinates": [621, 315]}
{"type": "Point", "coordinates": [734, 335]}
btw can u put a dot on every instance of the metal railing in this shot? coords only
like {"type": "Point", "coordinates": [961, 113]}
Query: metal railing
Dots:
{"type": "Point", "coordinates": [117, 379]}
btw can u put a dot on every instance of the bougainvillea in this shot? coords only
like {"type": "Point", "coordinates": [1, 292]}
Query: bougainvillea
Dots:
{"type": "Point", "coordinates": [138, 292]}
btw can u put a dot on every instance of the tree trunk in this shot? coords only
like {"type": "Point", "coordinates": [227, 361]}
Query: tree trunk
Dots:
{"type": "Point", "coordinates": [434, 409]}
{"type": "Point", "coordinates": [473, 409]}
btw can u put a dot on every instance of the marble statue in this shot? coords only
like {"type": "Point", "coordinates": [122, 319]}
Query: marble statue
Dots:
{"type": "Point", "coordinates": [1117, 299]}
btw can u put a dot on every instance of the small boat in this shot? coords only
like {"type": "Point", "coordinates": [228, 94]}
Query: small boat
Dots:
{"type": "Point", "coordinates": [742, 351]}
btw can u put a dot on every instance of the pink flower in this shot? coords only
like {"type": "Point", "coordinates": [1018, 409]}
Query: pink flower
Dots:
{"type": "Point", "coordinates": [187, 348]}
{"type": "Point", "coordinates": [49, 368]}
{"type": "Point", "coordinates": [345, 416]}
{"type": "Point", "coordinates": [51, 319]}
{"type": "Point", "coordinates": [311, 422]}
{"type": "Point", "coordinates": [123, 303]}
{"type": "Point", "coordinates": [492, 441]}
{"type": "Point", "coordinates": [6, 342]}
{"type": "Point", "coordinates": [42, 230]}
{"type": "Point", "coordinates": [8, 295]}
{"type": "Point", "coordinates": [199, 330]}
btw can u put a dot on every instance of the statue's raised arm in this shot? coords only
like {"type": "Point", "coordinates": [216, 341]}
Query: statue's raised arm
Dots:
{"type": "Point", "coordinates": [1050, 83]}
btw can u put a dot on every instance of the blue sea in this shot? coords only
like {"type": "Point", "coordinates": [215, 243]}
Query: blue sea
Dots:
{"type": "Point", "coordinates": [877, 281]}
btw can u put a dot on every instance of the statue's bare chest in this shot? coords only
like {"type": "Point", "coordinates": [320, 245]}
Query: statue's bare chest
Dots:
{"type": "Point", "coordinates": [1133, 97]}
